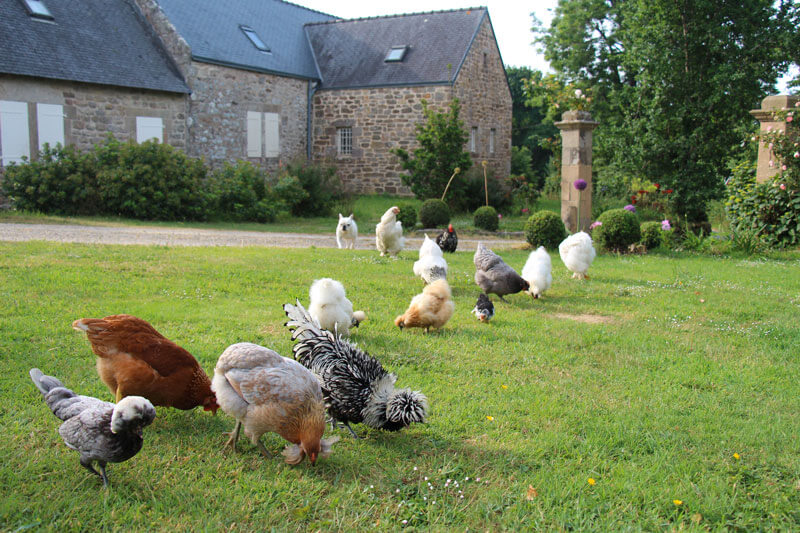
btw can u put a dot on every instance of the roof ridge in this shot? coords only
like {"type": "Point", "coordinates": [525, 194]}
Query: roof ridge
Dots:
{"type": "Point", "coordinates": [309, 9]}
{"type": "Point", "coordinates": [397, 15]}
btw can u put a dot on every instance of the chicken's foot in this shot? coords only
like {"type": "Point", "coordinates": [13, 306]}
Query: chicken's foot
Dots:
{"type": "Point", "coordinates": [234, 437]}
{"type": "Point", "coordinates": [87, 464]}
{"type": "Point", "coordinates": [353, 433]}
{"type": "Point", "coordinates": [263, 449]}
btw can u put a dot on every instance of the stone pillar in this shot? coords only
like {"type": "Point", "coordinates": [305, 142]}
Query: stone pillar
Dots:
{"type": "Point", "coordinates": [768, 122]}
{"type": "Point", "coordinates": [576, 163]}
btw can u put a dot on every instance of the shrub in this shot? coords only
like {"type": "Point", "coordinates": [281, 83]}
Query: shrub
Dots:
{"type": "Point", "coordinates": [321, 184]}
{"type": "Point", "coordinates": [152, 181]}
{"type": "Point", "coordinates": [619, 230]}
{"type": "Point", "coordinates": [434, 213]}
{"type": "Point", "coordinates": [545, 228]}
{"type": "Point", "coordinates": [407, 215]}
{"type": "Point", "coordinates": [651, 234]}
{"type": "Point", "coordinates": [486, 218]}
{"type": "Point", "coordinates": [237, 192]}
{"type": "Point", "coordinates": [288, 193]}
{"type": "Point", "coordinates": [60, 181]}
{"type": "Point", "coordinates": [470, 195]}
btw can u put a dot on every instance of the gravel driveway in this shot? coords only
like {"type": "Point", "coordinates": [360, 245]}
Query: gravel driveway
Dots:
{"type": "Point", "coordinates": [206, 237]}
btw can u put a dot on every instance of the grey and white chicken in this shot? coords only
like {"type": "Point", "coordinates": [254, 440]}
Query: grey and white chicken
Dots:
{"type": "Point", "coordinates": [100, 431]}
{"type": "Point", "coordinates": [431, 264]}
{"type": "Point", "coordinates": [355, 385]}
{"type": "Point", "coordinates": [493, 275]}
{"type": "Point", "coordinates": [484, 308]}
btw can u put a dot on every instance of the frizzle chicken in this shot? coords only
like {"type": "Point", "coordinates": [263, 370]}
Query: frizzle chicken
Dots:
{"type": "Point", "coordinates": [448, 240]}
{"type": "Point", "coordinates": [266, 392]}
{"type": "Point", "coordinates": [355, 385]}
{"type": "Point", "coordinates": [100, 431]}
{"type": "Point", "coordinates": [133, 359]}
{"type": "Point", "coordinates": [493, 275]}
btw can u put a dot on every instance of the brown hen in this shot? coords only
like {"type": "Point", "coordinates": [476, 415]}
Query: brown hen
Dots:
{"type": "Point", "coordinates": [133, 359]}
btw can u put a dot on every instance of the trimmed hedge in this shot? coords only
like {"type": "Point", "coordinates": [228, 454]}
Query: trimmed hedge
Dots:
{"type": "Point", "coordinates": [545, 228]}
{"type": "Point", "coordinates": [407, 215]}
{"type": "Point", "coordinates": [434, 213]}
{"type": "Point", "coordinates": [651, 235]}
{"type": "Point", "coordinates": [486, 218]}
{"type": "Point", "coordinates": [620, 229]}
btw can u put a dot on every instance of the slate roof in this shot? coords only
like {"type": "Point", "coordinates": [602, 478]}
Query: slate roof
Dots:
{"type": "Point", "coordinates": [351, 53]}
{"type": "Point", "coordinates": [213, 30]}
{"type": "Point", "coordinates": [96, 41]}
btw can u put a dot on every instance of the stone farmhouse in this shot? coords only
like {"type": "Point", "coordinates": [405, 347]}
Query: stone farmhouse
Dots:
{"type": "Point", "coordinates": [261, 80]}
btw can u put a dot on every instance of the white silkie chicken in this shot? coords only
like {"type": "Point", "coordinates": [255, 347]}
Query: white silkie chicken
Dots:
{"type": "Point", "coordinates": [577, 253]}
{"type": "Point", "coordinates": [331, 308]}
{"type": "Point", "coordinates": [431, 265]}
{"type": "Point", "coordinates": [389, 233]}
{"type": "Point", "coordinates": [538, 272]}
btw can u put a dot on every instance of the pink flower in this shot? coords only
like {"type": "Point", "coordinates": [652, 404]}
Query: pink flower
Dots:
{"type": "Point", "coordinates": [665, 226]}
{"type": "Point", "coordinates": [595, 224]}
{"type": "Point", "coordinates": [630, 208]}
{"type": "Point", "coordinates": [796, 155]}
{"type": "Point", "coordinates": [783, 167]}
{"type": "Point", "coordinates": [524, 209]}
{"type": "Point", "coordinates": [771, 164]}
{"type": "Point", "coordinates": [789, 118]}
{"type": "Point", "coordinates": [782, 186]}
{"type": "Point", "coordinates": [499, 215]}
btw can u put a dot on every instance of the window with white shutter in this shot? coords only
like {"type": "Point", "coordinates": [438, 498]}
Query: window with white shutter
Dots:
{"type": "Point", "coordinates": [149, 128]}
{"type": "Point", "coordinates": [14, 133]}
{"type": "Point", "coordinates": [50, 124]}
{"type": "Point", "coordinates": [271, 134]}
{"type": "Point", "coordinates": [253, 134]}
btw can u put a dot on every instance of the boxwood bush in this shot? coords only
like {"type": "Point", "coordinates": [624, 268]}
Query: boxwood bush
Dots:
{"type": "Point", "coordinates": [486, 218]}
{"type": "Point", "coordinates": [407, 215]}
{"type": "Point", "coordinates": [620, 229]}
{"type": "Point", "coordinates": [434, 213]}
{"type": "Point", "coordinates": [545, 228]}
{"type": "Point", "coordinates": [651, 234]}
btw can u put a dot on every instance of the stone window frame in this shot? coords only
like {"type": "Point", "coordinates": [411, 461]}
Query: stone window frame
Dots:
{"type": "Point", "coordinates": [473, 139]}
{"type": "Point", "coordinates": [492, 140]}
{"type": "Point", "coordinates": [344, 141]}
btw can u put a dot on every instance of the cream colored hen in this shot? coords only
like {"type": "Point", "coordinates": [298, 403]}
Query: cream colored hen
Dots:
{"type": "Point", "coordinates": [389, 233]}
{"type": "Point", "coordinates": [267, 392]}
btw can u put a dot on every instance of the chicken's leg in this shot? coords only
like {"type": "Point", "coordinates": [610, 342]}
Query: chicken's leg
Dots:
{"type": "Point", "coordinates": [119, 394]}
{"type": "Point", "coordinates": [353, 433]}
{"type": "Point", "coordinates": [102, 466]}
{"type": "Point", "coordinates": [262, 449]}
{"type": "Point", "coordinates": [234, 437]}
{"type": "Point", "coordinates": [87, 464]}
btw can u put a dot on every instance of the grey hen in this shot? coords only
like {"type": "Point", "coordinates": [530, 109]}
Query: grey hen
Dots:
{"type": "Point", "coordinates": [494, 276]}
{"type": "Point", "coordinates": [100, 431]}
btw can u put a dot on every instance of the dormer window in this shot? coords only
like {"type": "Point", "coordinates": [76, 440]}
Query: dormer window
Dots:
{"type": "Point", "coordinates": [255, 39]}
{"type": "Point", "coordinates": [37, 9]}
{"type": "Point", "coordinates": [396, 54]}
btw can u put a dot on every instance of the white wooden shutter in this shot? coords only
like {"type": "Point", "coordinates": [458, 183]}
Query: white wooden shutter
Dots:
{"type": "Point", "coordinates": [271, 132]}
{"type": "Point", "coordinates": [149, 128]}
{"type": "Point", "coordinates": [253, 134]}
{"type": "Point", "coordinates": [14, 134]}
{"type": "Point", "coordinates": [50, 123]}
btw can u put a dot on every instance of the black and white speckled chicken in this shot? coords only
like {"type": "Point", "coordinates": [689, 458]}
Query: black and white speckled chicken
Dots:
{"type": "Point", "coordinates": [100, 431]}
{"type": "Point", "coordinates": [355, 386]}
{"type": "Point", "coordinates": [448, 240]}
{"type": "Point", "coordinates": [484, 308]}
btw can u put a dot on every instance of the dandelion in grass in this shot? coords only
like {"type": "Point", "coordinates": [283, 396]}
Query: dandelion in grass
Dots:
{"type": "Point", "coordinates": [505, 387]}
{"type": "Point", "coordinates": [489, 418]}
{"type": "Point", "coordinates": [736, 456]}
{"type": "Point", "coordinates": [678, 502]}
{"type": "Point", "coordinates": [591, 481]}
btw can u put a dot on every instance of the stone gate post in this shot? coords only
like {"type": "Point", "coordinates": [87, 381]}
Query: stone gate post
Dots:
{"type": "Point", "coordinates": [576, 163]}
{"type": "Point", "coordinates": [764, 171]}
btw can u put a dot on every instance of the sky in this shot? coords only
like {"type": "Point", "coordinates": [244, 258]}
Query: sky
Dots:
{"type": "Point", "coordinates": [511, 20]}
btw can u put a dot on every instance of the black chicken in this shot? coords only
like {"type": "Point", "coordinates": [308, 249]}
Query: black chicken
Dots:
{"type": "Point", "coordinates": [355, 386]}
{"type": "Point", "coordinates": [100, 431]}
{"type": "Point", "coordinates": [448, 240]}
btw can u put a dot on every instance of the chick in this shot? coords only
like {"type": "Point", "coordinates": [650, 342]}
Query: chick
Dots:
{"type": "Point", "coordinates": [100, 431]}
{"type": "Point", "coordinates": [431, 309]}
{"type": "Point", "coordinates": [331, 308]}
{"type": "Point", "coordinates": [538, 272]}
{"type": "Point", "coordinates": [484, 308]}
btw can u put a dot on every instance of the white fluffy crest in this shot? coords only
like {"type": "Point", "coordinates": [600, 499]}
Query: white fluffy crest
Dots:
{"type": "Point", "coordinates": [326, 291]}
{"type": "Point", "coordinates": [128, 409]}
{"type": "Point", "coordinates": [538, 271]}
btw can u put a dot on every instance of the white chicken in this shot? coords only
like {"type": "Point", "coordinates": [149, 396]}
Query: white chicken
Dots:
{"type": "Point", "coordinates": [389, 233]}
{"type": "Point", "coordinates": [331, 308]}
{"type": "Point", "coordinates": [577, 253]}
{"type": "Point", "coordinates": [431, 265]}
{"type": "Point", "coordinates": [538, 272]}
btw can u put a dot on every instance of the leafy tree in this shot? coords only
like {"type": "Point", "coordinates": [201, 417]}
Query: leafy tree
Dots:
{"type": "Point", "coordinates": [530, 128]}
{"type": "Point", "coordinates": [672, 82]}
{"type": "Point", "coordinates": [441, 139]}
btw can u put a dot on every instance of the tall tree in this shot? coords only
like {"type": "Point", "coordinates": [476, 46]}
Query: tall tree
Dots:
{"type": "Point", "coordinates": [673, 81]}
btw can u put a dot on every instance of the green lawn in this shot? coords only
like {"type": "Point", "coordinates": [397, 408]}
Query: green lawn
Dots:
{"type": "Point", "coordinates": [646, 379]}
{"type": "Point", "coordinates": [367, 209]}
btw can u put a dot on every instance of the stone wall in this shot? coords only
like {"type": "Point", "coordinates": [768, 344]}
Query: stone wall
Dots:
{"type": "Point", "coordinates": [381, 119]}
{"type": "Point", "coordinates": [482, 88]}
{"type": "Point", "coordinates": [386, 117]}
{"type": "Point", "coordinates": [93, 111]}
{"type": "Point", "coordinates": [218, 106]}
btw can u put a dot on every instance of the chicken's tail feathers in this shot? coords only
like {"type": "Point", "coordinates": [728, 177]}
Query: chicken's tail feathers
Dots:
{"type": "Point", "coordinates": [302, 324]}
{"type": "Point", "coordinates": [406, 407]}
{"type": "Point", "coordinates": [43, 382]}
{"type": "Point", "coordinates": [358, 318]}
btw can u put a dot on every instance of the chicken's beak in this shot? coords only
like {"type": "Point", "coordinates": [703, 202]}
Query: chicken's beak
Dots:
{"type": "Point", "coordinates": [312, 457]}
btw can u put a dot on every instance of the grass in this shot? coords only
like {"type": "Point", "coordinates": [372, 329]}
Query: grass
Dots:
{"type": "Point", "coordinates": [648, 378]}
{"type": "Point", "coordinates": [368, 210]}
